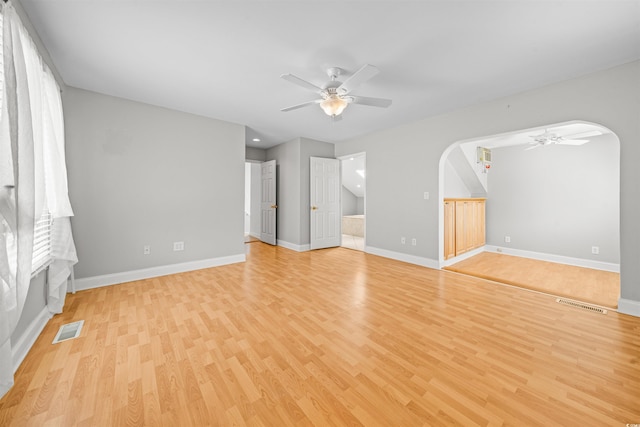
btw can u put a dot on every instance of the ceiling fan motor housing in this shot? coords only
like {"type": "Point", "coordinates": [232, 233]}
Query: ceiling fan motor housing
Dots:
{"type": "Point", "coordinates": [334, 72]}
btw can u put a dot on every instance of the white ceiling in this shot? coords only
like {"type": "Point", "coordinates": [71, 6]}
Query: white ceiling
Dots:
{"type": "Point", "coordinates": [223, 59]}
{"type": "Point", "coordinates": [571, 130]}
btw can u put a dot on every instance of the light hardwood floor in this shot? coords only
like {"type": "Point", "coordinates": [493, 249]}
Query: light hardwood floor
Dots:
{"type": "Point", "coordinates": [330, 337]}
{"type": "Point", "coordinates": [579, 283]}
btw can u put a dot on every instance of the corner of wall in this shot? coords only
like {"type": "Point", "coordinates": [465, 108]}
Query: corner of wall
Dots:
{"type": "Point", "coordinates": [630, 307]}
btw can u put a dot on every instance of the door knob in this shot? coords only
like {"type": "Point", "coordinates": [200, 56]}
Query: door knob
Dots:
{"type": "Point", "coordinates": [313, 208]}
{"type": "Point", "coordinates": [274, 206]}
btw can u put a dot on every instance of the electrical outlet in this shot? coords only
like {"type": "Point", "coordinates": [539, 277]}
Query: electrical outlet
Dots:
{"type": "Point", "coordinates": [426, 195]}
{"type": "Point", "coordinates": [146, 250]}
{"type": "Point", "coordinates": [595, 250]}
{"type": "Point", "coordinates": [414, 241]}
{"type": "Point", "coordinates": [178, 246]}
{"type": "Point", "coordinates": [403, 240]}
{"type": "Point", "coordinates": [507, 239]}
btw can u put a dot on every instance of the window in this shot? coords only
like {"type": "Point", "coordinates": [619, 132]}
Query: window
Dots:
{"type": "Point", "coordinates": [41, 243]}
{"type": "Point", "coordinates": [33, 183]}
{"type": "Point", "coordinates": [43, 105]}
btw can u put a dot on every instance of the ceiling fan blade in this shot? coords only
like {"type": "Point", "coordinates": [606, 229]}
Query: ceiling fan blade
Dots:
{"type": "Point", "coordinates": [585, 134]}
{"type": "Point", "coordinates": [304, 104]}
{"type": "Point", "coordinates": [572, 141]}
{"type": "Point", "coordinates": [533, 147]}
{"type": "Point", "coordinates": [362, 75]}
{"type": "Point", "coordinates": [303, 83]}
{"type": "Point", "coordinates": [374, 102]}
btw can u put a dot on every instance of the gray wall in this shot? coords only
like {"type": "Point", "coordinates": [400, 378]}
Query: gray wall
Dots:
{"type": "Point", "coordinates": [557, 199]}
{"type": "Point", "coordinates": [360, 206]}
{"type": "Point", "coordinates": [35, 302]}
{"type": "Point", "coordinates": [255, 154]}
{"type": "Point", "coordinates": [349, 202]}
{"type": "Point", "coordinates": [404, 162]}
{"type": "Point", "coordinates": [143, 175]}
{"type": "Point", "coordinates": [454, 186]}
{"type": "Point", "coordinates": [292, 160]}
{"type": "Point", "coordinates": [287, 157]}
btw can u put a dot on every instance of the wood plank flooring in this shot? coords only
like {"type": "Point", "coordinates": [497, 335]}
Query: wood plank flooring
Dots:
{"type": "Point", "coordinates": [579, 283]}
{"type": "Point", "coordinates": [330, 337]}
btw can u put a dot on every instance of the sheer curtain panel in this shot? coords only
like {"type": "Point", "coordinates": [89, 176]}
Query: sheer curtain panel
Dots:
{"type": "Point", "coordinates": [33, 180]}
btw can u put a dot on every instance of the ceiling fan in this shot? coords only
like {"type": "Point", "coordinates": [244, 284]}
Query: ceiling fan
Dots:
{"type": "Point", "coordinates": [335, 96]}
{"type": "Point", "coordinates": [548, 138]}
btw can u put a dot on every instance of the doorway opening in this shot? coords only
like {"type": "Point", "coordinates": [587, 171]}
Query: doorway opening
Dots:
{"type": "Point", "coordinates": [251, 202]}
{"type": "Point", "coordinates": [552, 202]}
{"type": "Point", "coordinates": [353, 201]}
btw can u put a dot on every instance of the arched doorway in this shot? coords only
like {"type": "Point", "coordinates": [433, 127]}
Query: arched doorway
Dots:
{"type": "Point", "coordinates": [553, 195]}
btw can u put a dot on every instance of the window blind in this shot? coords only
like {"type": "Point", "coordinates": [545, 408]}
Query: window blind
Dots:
{"type": "Point", "coordinates": [41, 243]}
{"type": "Point", "coordinates": [41, 254]}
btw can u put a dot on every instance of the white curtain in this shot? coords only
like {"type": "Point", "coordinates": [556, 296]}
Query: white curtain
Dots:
{"type": "Point", "coordinates": [63, 250]}
{"type": "Point", "coordinates": [19, 194]}
{"type": "Point", "coordinates": [32, 179]}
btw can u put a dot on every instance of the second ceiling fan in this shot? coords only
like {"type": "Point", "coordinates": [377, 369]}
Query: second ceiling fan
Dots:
{"type": "Point", "coordinates": [548, 138]}
{"type": "Point", "coordinates": [336, 96]}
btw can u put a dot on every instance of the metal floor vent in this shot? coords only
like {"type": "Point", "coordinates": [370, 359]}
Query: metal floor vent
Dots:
{"type": "Point", "coordinates": [581, 305]}
{"type": "Point", "coordinates": [68, 331]}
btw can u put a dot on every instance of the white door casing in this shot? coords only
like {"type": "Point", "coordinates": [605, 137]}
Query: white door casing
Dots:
{"type": "Point", "coordinates": [325, 220]}
{"type": "Point", "coordinates": [268, 202]}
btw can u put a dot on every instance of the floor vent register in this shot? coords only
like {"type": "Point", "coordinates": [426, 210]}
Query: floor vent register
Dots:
{"type": "Point", "coordinates": [581, 305]}
{"type": "Point", "coordinates": [68, 331]}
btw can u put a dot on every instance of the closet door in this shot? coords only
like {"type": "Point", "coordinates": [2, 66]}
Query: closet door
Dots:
{"type": "Point", "coordinates": [480, 231]}
{"type": "Point", "coordinates": [461, 235]}
{"type": "Point", "coordinates": [449, 229]}
{"type": "Point", "coordinates": [469, 225]}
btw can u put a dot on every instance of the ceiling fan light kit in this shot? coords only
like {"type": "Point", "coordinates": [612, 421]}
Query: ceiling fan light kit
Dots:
{"type": "Point", "coordinates": [335, 95]}
{"type": "Point", "coordinates": [333, 105]}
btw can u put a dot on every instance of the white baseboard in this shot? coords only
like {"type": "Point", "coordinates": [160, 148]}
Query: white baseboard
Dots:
{"type": "Point", "coordinates": [578, 262]}
{"type": "Point", "coordinates": [148, 273]}
{"type": "Point", "coordinates": [461, 257]}
{"type": "Point", "coordinates": [628, 306]}
{"type": "Point", "coordinates": [293, 246]}
{"type": "Point", "coordinates": [399, 256]}
{"type": "Point", "coordinates": [23, 344]}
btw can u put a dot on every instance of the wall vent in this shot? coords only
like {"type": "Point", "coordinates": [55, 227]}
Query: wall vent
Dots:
{"type": "Point", "coordinates": [484, 155]}
{"type": "Point", "coordinates": [68, 331]}
{"type": "Point", "coordinates": [581, 305]}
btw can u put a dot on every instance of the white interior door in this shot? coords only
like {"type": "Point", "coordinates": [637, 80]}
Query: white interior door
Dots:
{"type": "Point", "coordinates": [325, 203]}
{"type": "Point", "coordinates": [268, 202]}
